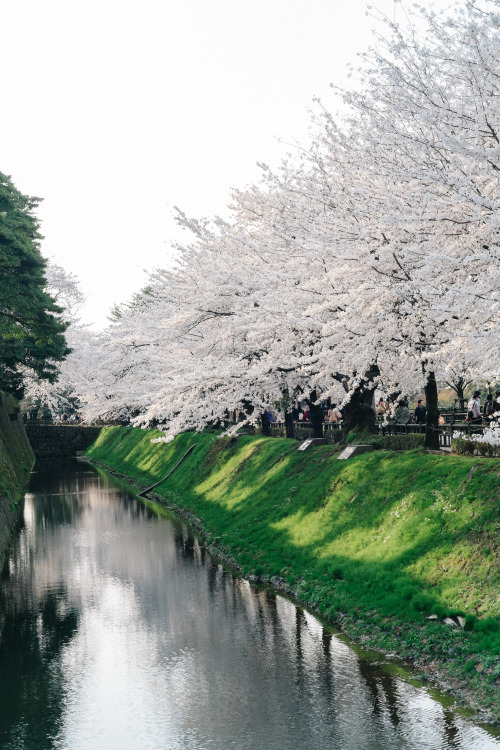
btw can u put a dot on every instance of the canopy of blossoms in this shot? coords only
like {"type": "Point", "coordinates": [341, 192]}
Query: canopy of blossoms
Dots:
{"type": "Point", "coordinates": [368, 260]}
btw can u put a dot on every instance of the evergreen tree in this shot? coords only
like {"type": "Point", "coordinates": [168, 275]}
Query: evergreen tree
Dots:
{"type": "Point", "coordinates": [31, 331]}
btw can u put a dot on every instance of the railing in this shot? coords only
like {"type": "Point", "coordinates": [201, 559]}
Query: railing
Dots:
{"type": "Point", "coordinates": [397, 429]}
{"type": "Point", "coordinates": [445, 431]}
{"type": "Point", "coordinates": [51, 423]}
{"type": "Point", "coordinates": [69, 423]}
{"type": "Point", "coordinates": [333, 431]}
{"type": "Point", "coordinates": [304, 430]}
{"type": "Point", "coordinates": [412, 429]}
{"type": "Point", "coordinates": [277, 429]}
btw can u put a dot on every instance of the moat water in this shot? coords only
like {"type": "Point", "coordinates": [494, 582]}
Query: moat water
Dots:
{"type": "Point", "coordinates": [119, 632]}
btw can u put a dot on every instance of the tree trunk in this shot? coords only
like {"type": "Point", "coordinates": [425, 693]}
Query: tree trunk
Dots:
{"type": "Point", "coordinates": [459, 387]}
{"type": "Point", "coordinates": [359, 413]}
{"type": "Point", "coordinates": [286, 406]}
{"type": "Point", "coordinates": [264, 421]}
{"type": "Point", "coordinates": [316, 416]}
{"type": "Point", "coordinates": [432, 416]}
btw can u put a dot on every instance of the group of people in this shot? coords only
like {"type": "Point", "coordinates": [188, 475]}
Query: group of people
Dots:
{"type": "Point", "coordinates": [402, 415]}
{"type": "Point", "coordinates": [301, 413]}
{"type": "Point", "coordinates": [34, 414]}
{"type": "Point", "coordinates": [331, 414]}
{"type": "Point", "coordinates": [475, 414]}
{"type": "Point", "coordinates": [68, 418]}
{"type": "Point", "coordinates": [491, 407]}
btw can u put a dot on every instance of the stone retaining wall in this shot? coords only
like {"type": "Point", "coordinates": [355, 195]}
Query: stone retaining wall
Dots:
{"type": "Point", "coordinates": [52, 441]}
{"type": "Point", "coordinates": [16, 462]}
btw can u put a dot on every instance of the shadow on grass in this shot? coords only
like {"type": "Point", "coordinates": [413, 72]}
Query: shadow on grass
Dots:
{"type": "Point", "coordinates": [400, 533]}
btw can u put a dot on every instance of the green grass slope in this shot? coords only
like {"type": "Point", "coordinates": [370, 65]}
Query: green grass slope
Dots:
{"type": "Point", "coordinates": [377, 543]}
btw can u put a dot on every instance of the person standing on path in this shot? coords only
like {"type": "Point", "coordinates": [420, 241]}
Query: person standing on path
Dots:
{"type": "Point", "coordinates": [474, 409]}
{"type": "Point", "coordinates": [489, 407]}
{"type": "Point", "coordinates": [496, 405]}
{"type": "Point", "coordinates": [420, 412]}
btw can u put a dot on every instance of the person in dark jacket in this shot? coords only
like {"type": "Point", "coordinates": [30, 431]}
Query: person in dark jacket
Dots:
{"type": "Point", "coordinates": [269, 415]}
{"type": "Point", "coordinates": [489, 407]}
{"type": "Point", "coordinates": [420, 412]}
{"type": "Point", "coordinates": [496, 404]}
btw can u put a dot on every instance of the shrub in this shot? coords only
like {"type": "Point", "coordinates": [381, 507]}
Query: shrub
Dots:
{"type": "Point", "coordinates": [405, 442]}
{"type": "Point", "coordinates": [401, 442]}
{"type": "Point", "coordinates": [487, 444]}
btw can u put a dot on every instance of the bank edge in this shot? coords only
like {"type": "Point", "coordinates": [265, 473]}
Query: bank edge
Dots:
{"type": "Point", "coordinates": [375, 545]}
{"type": "Point", "coordinates": [16, 462]}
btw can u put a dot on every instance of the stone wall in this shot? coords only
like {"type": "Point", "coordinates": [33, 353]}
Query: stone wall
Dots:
{"type": "Point", "coordinates": [52, 441]}
{"type": "Point", "coordinates": [16, 462]}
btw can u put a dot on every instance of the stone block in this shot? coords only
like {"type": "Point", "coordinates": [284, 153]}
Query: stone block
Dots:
{"type": "Point", "coordinates": [311, 442]}
{"type": "Point", "coordinates": [354, 450]}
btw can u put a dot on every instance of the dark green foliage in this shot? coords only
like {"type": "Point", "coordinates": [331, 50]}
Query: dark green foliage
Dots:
{"type": "Point", "coordinates": [31, 334]}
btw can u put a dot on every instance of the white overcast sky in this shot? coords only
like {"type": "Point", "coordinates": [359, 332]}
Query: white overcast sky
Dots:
{"type": "Point", "coordinates": [114, 111]}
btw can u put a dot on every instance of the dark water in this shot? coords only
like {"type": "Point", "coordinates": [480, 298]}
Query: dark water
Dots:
{"type": "Point", "coordinates": [119, 632]}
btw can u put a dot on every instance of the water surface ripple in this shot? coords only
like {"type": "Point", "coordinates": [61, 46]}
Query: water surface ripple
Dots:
{"type": "Point", "coordinates": [118, 632]}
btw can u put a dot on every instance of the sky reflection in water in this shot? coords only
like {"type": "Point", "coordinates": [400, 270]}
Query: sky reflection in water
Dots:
{"type": "Point", "coordinates": [118, 631]}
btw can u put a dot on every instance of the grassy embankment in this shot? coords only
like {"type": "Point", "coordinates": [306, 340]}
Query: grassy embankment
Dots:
{"type": "Point", "coordinates": [375, 544]}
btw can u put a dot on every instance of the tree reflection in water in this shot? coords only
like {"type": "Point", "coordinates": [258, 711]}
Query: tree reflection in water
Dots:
{"type": "Point", "coordinates": [118, 630]}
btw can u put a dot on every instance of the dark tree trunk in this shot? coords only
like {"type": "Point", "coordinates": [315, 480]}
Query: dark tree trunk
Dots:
{"type": "Point", "coordinates": [286, 405]}
{"type": "Point", "coordinates": [359, 413]}
{"type": "Point", "coordinates": [316, 415]}
{"type": "Point", "coordinates": [432, 415]}
{"type": "Point", "coordinates": [459, 387]}
{"type": "Point", "coordinates": [264, 421]}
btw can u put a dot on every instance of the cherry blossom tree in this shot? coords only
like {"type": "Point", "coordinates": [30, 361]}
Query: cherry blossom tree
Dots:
{"type": "Point", "coordinates": [64, 287]}
{"type": "Point", "coordinates": [368, 260]}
